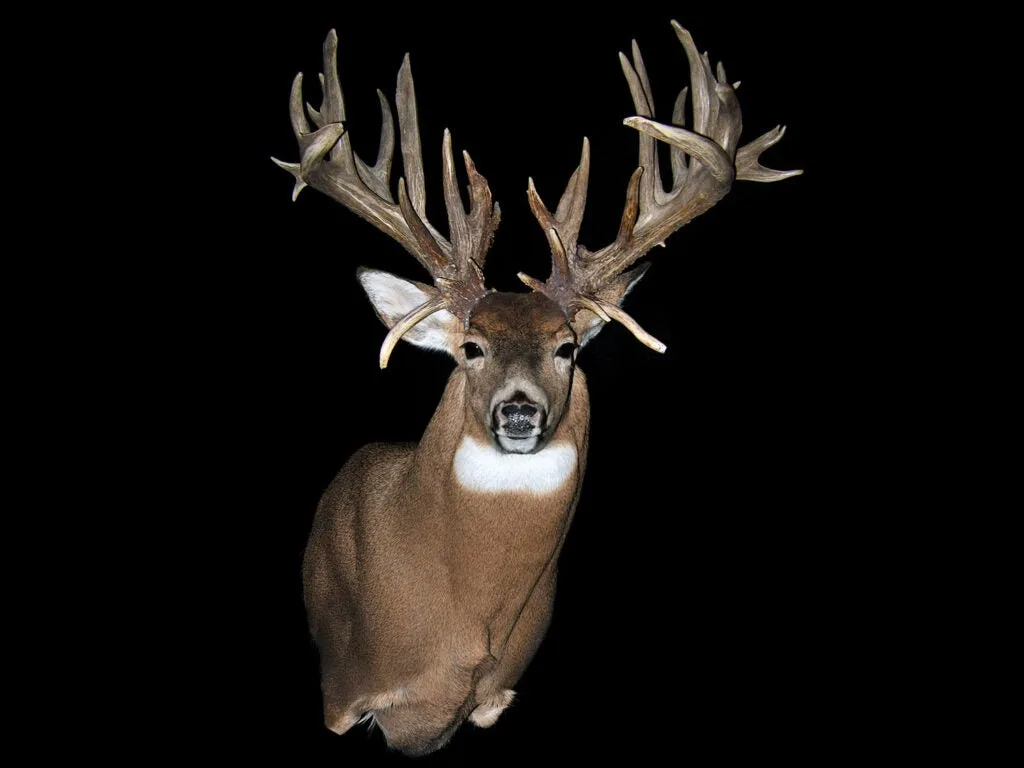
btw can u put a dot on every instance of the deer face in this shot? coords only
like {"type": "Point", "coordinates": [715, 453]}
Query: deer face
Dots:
{"type": "Point", "coordinates": [518, 354]}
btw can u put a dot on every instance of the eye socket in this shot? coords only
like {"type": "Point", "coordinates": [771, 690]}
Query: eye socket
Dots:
{"type": "Point", "coordinates": [565, 350]}
{"type": "Point", "coordinates": [472, 350]}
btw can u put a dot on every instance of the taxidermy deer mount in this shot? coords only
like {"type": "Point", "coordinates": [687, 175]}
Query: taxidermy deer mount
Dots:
{"type": "Point", "coordinates": [430, 572]}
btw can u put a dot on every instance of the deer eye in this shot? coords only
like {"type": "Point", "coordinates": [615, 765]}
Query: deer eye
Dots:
{"type": "Point", "coordinates": [472, 350]}
{"type": "Point", "coordinates": [565, 350]}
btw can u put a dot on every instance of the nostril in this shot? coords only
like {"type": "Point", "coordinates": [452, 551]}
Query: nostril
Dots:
{"type": "Point", "coordinates": [518, 410]}
{"type": "Point", "coordinates": [518, 419]}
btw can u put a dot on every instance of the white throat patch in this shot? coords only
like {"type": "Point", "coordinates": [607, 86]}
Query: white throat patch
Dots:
{"type": "Point", "coordinates": [485, 469]}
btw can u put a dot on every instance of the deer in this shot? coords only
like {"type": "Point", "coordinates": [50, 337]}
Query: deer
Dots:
{"type": "Point", "coordinates": [430, 571]}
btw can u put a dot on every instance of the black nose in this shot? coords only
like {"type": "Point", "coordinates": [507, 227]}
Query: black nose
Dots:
{"type": "Point", "coordinates": [518, 418]}
{"type": "Point", "coordinates": [518, 411]}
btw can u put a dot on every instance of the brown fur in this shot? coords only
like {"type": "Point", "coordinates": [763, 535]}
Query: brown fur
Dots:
{"type": "Point", "coordinates": [425, 599]}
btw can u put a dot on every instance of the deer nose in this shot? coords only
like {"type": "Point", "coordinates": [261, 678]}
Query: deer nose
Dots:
{"type": "Point", "coordinates": [514, 411]}
{"type": "Point", "coordinates": [520, 418]}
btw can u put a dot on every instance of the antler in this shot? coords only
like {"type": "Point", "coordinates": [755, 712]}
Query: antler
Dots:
{"type": "Point", "coordinates": [584, 280]}
{"type": "Point", "coordinates": [329, 165]}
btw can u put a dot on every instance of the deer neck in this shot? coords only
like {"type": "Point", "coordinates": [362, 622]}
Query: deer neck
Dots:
{"type": "Point", "coordinates": [502, 517]}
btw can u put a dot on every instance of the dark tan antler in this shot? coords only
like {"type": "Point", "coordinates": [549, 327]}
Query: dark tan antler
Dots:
{"type": "Point", "coordinates": [328, 164]}
{"type": "Point", "coordinates": [584, 280]}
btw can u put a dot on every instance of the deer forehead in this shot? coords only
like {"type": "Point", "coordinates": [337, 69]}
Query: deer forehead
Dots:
{"type": "Point", "coordinates": [511, 316]}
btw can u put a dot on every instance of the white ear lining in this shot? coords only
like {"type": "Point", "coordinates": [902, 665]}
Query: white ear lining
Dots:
{"type": "Point", "coordinates": [435, 332]}
{"type": "Point", "coordinates": [592, 329]}
{"type": "Point", "coordinates": [595, 323]}
{"type": "Point", "coordinates": [394, 297]}
{"type": "Point", "coordinates": [640, 273]}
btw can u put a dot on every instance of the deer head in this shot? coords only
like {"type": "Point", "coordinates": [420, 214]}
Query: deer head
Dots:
{"type": "Point", "coordinates": [518, 350]}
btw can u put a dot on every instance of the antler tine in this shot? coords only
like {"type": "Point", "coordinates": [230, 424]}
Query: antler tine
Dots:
{"type": "Point", "coordinates": [430, 254]}
{"type": "Point", "coordinates": [470, 234]}
{"type": "Point", "coordinates": [409, 126]}
{"type": "Point", "coordinates": [485, 213]}
{"type": "Point", "coordinates": [562, 230]}
{"type": "Point", "coordinates": [573, 202]}
{"type": "Point", "coordinates": [679, 167]}
{"type": "Point", "coordinates": [378, 178]}
{"type": "Point", "coordinates": [332, 110]}
{"type": "Point", "coordinates": [747, 166]}
{"type": "Point", "coordinates": [327, 163]}
{"type": "Point", "coordinates": [652, 191]}
{"type": "Point", "coordinates": [651, 214]}
{"type": "Point", "coordinates": [458, 227]}
{"type": "Point", "coordinates": [406, 324]}
{"type": "Point", "coordinates": [568, 215]}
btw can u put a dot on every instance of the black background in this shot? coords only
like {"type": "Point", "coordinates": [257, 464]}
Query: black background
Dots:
{"type": "Point", "coordinates": [704, 602]}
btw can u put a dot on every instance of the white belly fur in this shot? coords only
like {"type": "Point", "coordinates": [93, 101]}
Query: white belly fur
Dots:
{"type": "Point", "coordinates": [484, 469]}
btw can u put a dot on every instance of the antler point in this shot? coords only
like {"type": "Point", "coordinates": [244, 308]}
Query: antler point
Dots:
{"type": "Point", "coordinates": [530, 282]}
{"type": "Point", "coordinates": [593, 306]}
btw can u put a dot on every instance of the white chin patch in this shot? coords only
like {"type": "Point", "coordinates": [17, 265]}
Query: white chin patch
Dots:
{"type": "Point", "coordinates": [524, 445]}
{"type": "Point", "coordinates": [485, 469]}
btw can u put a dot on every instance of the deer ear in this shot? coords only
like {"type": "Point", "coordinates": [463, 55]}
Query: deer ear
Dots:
{"type": "Point", "coordinates": [586, 324]}
{"type": "Point", "coordinates": [395, 297]}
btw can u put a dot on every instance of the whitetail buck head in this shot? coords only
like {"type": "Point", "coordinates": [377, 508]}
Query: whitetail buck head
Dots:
{"type": "Point", "coordinates": [465, 625]}
{"type": "Point", "coordinates": [517, 352]}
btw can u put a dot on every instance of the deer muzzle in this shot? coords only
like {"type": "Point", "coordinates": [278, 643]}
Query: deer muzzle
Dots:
{"type": "Point", "coordinates": [518, 424]}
